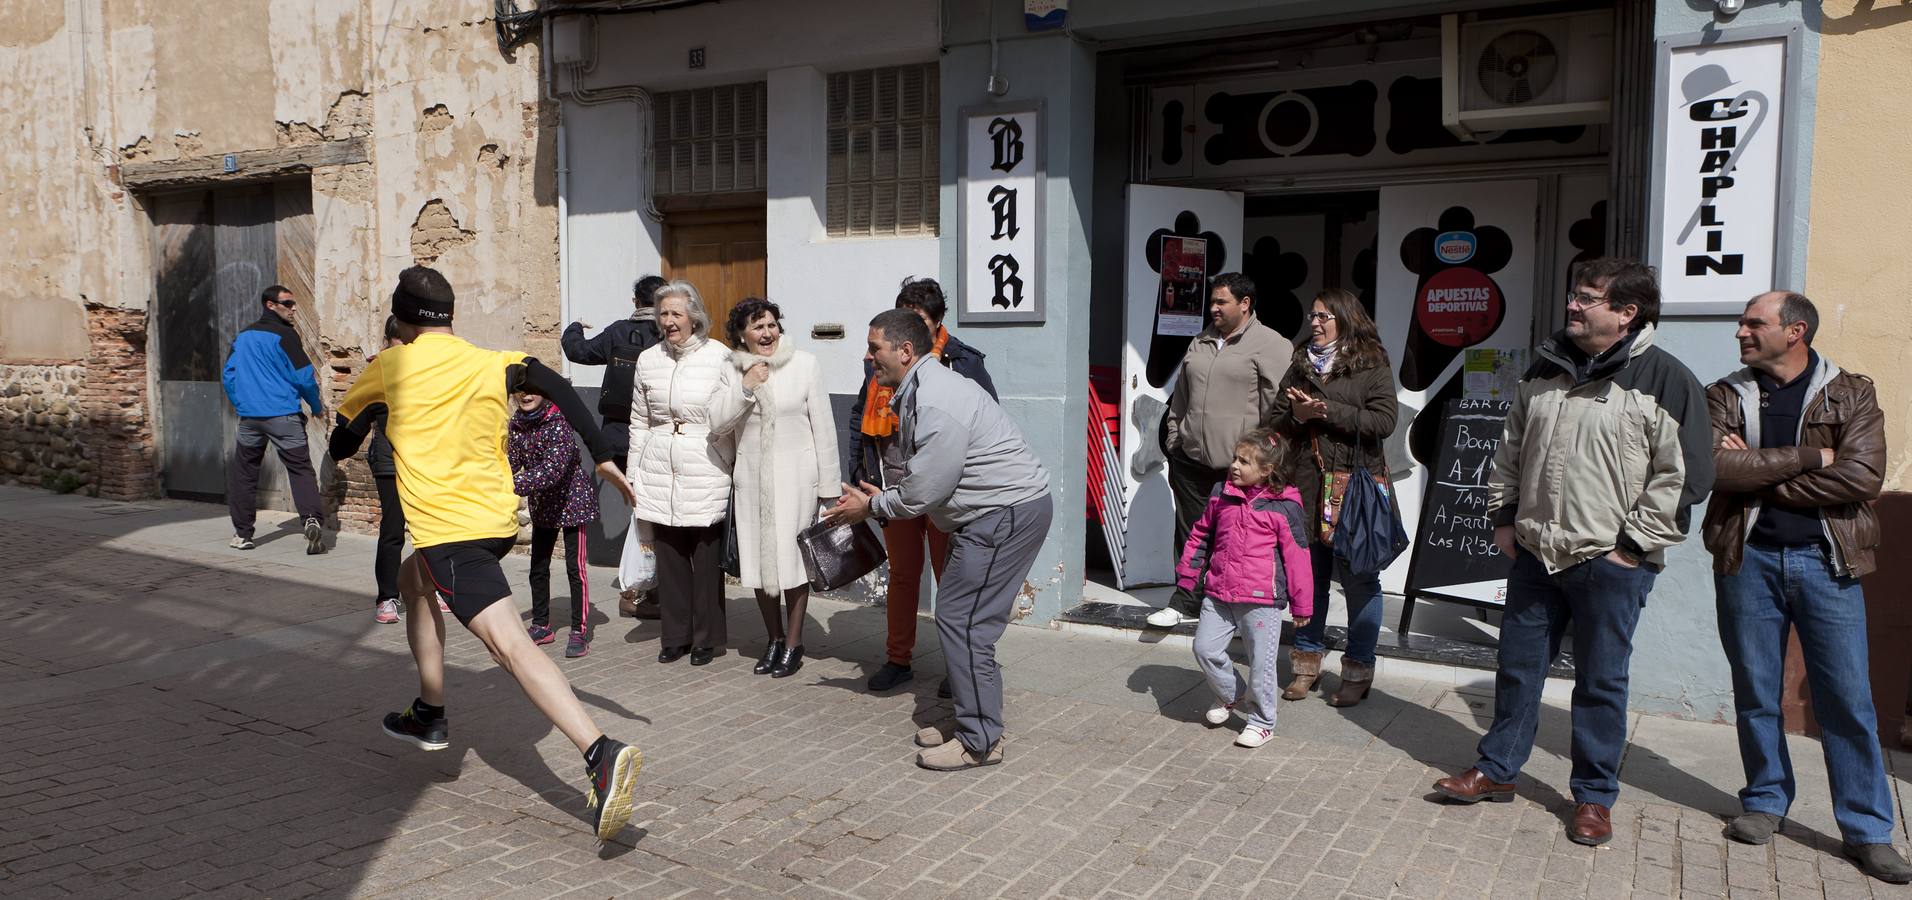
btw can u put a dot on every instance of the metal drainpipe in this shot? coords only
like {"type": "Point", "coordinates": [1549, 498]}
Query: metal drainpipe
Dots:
{"type": "Point", "coordinates": [641, 99]}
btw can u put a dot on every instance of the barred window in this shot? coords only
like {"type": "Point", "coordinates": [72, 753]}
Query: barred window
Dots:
{"type": "Point", "coordinates": [883, 172]}
{"type": "Point", "coordinates": [709, 140]}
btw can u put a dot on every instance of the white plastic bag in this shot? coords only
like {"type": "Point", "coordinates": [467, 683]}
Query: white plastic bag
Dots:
{"type": "Point", "coordinates": [637, 569]}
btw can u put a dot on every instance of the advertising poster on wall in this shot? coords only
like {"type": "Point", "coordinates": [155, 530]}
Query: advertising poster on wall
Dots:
{"type": "Point", "coordinates": [1184, 293]}
{"type": "Point", "coordinates": [1493, 374]}
{"type": "Point", "coordinates": [1455, 273]}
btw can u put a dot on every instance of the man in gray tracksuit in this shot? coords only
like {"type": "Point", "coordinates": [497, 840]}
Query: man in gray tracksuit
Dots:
{"type": "Point", "coordinates": [967, 467]}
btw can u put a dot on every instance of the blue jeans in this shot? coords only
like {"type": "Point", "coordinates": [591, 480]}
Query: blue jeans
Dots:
{"type": "Point", "coordinates": [1795, 586]}
{"type": "Point", "coordinates": [1601, 600]}
{"type": "Point", "coordinates": [1364, 608]}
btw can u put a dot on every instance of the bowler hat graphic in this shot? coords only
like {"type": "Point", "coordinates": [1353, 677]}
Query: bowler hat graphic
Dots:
{"type": "Point", "coordinates": [1704, 82]}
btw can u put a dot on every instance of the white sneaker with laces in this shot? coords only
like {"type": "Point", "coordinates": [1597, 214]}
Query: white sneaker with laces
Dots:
{"type": "Point", "coordinates": [1254, 736]}
{"type": "Point", "coordinates": [1168, 617]}
{"type": "Point", "coordinates": [240, 543]}
{"type": "Point", "coordinates": [387, 612]}
{"type": "Point", "coordinates": [1219, 713]}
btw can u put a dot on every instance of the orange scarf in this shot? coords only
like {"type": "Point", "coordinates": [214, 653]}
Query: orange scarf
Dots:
{"type": "Point", "coordinates": [878, 419]}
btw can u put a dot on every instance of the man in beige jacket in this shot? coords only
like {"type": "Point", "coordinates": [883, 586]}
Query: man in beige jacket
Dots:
{"type": "Point", "coordinates": [1227, 385]}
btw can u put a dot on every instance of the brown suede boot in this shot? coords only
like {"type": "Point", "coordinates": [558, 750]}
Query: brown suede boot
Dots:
{"type": "Point", "coordinates": [1356, 679]}
{"type": "Point", "coordinates": [1307, 668]}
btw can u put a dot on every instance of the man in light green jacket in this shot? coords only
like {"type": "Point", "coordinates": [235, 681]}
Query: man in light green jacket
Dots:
{"type": "Point", "coordinates": [1605, 451]}
{"type": "Point", "coordinates": [1227, 385]}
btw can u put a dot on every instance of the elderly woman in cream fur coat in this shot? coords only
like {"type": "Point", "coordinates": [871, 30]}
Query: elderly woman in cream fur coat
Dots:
{"type": "Point", "coordinates": [786, 470]}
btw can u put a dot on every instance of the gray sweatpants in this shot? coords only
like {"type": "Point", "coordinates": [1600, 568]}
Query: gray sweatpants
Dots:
{"type": "Point", "coordinates": [988, 562]}
{"type": "Point", "coordinates": [1260, 629]}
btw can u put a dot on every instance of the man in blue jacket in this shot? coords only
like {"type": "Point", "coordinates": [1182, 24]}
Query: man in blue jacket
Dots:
{"type": "Point", "coordinates": [267, 375]}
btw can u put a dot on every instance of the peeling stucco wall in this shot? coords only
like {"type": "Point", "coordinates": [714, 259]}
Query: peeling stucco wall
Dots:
{"type": "Point", "coordinates": [456, 136]}
{"type": "Point", "coordinates": [1860, 270]}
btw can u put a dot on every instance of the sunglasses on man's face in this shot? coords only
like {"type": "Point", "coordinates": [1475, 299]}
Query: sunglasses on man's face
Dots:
{"type": "Point", "coordinates": [288, 304]}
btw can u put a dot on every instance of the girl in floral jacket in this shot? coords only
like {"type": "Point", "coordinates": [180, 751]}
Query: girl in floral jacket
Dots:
{"type": "Point", "coordinates": [546, 471]}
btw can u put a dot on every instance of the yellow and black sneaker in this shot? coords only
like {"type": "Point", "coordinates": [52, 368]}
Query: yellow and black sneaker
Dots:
{"type": "Point", "coordinates": [612, 780]}
{"type": "Point", "coordinates": [409, 727]}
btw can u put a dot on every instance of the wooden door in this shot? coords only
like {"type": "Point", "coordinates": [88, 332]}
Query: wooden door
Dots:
{"type": "Point", "coordinates": [214, 251]}
{"type": "Point", "coordinates": [721, 252]}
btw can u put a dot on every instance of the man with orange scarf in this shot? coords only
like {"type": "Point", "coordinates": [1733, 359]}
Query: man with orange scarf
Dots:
{"type": "Point", "coordinates": [874, 458]}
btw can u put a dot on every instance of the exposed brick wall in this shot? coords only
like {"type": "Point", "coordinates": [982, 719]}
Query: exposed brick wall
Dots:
{"type": "Point", "coordinates": [118, 430]}
{"type": "Point", "coordinates": [350, 492]}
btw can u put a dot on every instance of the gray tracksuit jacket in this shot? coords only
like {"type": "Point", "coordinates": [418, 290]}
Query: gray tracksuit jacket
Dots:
{"type": "Point", "coordinates": [962, 456]}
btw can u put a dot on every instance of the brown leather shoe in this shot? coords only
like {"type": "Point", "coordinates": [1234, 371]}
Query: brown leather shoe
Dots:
{"type": "Point", "coordinates": [1473, 787]}
{"type": "Point", "coordinates": [1307, 669]}
{"type": "Point", "coordinates": [647, 608]}
{"type": "Point", "coordinates": [627, 604]}
{"type": "Point", "coordinates": [1592, 825]}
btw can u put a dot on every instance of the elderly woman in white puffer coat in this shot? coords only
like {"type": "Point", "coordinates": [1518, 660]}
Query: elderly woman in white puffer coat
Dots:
{"type": "Point", "coordinates": [787, 469]}
{"type": "Point", "coordinates": [686, 400]}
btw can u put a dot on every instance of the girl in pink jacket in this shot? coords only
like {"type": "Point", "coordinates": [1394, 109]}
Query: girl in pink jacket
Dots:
{"type": "Point", "coordinates": [1247, 558]}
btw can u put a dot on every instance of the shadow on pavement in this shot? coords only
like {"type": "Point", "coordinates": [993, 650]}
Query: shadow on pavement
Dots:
{"type": "Point", "coordinates": [173, 728]}
{"type": "Point", "coordinates": [1442, 741]}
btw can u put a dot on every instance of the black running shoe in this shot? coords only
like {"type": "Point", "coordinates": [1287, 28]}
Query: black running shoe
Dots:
{"type": "Point", "coordinates": [609, 799]}
{"type": "Point", "coordinates": [314, 537]}
{"type": "Point", "coordinates": [406, 727]}
{"type": "Point", "coordinates": [889, 677]}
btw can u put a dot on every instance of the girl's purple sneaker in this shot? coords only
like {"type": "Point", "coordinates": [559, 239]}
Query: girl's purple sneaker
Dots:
{"type": "Point", "coordinates": [541, 634]}
{"type": "Point", "coordinates": [578, 645]}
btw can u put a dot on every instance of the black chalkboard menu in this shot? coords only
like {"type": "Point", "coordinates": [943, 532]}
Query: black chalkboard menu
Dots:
{"type": "Point", "coordinates": [1454, 554]}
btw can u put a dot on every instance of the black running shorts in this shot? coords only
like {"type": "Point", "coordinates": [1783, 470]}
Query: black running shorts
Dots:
{"type": "Point", "coordinates": [467, 574]}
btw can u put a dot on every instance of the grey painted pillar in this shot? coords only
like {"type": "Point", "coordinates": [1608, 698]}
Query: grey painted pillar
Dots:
{"type": "Point", "coordinates": [1041, 372]}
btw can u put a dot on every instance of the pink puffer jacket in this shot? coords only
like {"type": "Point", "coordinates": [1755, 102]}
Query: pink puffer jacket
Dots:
{"type": "Point", "coordinates": [1251, 547]}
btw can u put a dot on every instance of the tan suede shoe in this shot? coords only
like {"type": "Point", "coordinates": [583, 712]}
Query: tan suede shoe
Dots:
{"type": "Point", "coordinates": [954, 757]}
{"type": "Point", "coordinates": [936, 734]}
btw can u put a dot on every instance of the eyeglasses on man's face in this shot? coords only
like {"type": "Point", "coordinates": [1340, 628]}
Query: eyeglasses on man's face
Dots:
{"type": "Point", "coordinates": [1583, 299]}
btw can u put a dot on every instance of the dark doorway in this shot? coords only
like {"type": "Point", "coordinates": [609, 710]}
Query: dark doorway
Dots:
{"type": "Point", "coordinates": [213, 252]}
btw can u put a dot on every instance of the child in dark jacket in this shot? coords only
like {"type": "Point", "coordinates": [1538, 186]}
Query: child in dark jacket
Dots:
{"type": "Point", "coordinates": [1247, 558]}
{"type": "Point", "coordinates": [546, 471]}
{"type": "Point", "coordinates": [391, 516]}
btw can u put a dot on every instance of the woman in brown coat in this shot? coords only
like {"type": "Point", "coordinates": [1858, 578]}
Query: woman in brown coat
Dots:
{"type": "Point", "coordinates": [1337, 407]}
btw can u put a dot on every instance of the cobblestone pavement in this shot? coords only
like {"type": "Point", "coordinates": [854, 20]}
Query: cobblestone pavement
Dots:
{"type": "Point", "coordinates": [178, 719]}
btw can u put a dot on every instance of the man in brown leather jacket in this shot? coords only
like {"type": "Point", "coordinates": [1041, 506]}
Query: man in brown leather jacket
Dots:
{"type": "Point", "coordinates": [1799, 451]}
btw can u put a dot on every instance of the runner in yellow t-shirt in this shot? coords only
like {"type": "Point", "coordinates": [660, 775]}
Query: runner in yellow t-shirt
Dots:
{"type": "Point", "coordinates": [446, 405]}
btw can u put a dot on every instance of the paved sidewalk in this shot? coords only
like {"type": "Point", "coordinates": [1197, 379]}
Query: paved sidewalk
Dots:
{"type": "Point", "coordinates": [180, 719]}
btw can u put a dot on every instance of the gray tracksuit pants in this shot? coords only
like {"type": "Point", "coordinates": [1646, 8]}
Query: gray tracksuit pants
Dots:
{"type": "Point", "coordinates": [1260, 630]}
{"type": "Point", "coordinates": [989, 559]}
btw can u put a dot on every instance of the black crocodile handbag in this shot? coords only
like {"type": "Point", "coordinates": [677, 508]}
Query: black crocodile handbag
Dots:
{"type": "Point", "coordinates": [835, 555]}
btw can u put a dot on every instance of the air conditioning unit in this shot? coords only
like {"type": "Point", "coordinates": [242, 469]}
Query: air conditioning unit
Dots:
{"type": "Point", "coordinates": [1535, 72]}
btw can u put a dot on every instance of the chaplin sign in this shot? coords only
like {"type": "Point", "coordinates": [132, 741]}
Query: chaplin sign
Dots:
{"type": "Point", "coordinates": [1723, 219]}
{"type": "Point", "coordinates": [1000, 207]}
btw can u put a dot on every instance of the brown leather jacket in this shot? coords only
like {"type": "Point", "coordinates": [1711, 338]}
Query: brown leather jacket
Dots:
{"type": "Point", "coordinates": [1841, 413]}
{"type": "Point", "coordinates": [1361, 415]}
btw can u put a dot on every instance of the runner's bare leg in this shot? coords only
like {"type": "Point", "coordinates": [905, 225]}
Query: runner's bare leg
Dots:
{"type": "Point", "coordinates": [424, 628]}
{"type": "Point", "coordinates": [499, 627]}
